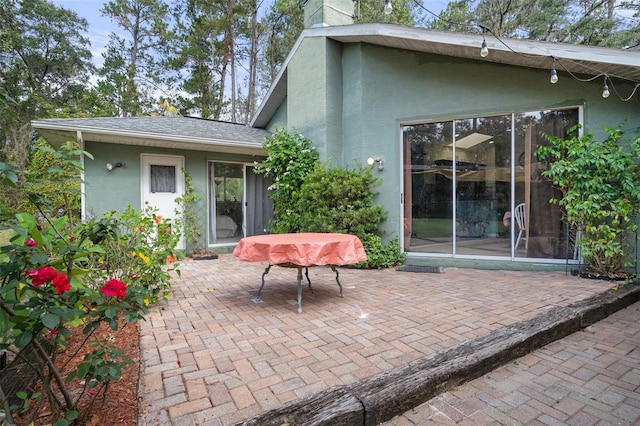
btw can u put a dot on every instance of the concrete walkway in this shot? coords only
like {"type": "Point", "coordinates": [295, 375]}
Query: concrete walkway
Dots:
{"type": "Point", "coordinates": [213, 357]}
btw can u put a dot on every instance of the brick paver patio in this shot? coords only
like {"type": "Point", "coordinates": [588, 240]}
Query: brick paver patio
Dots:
{"type": "Point", "coordinates": [210, 356]}
{"type": "Point", "coordinates": [588, 378]}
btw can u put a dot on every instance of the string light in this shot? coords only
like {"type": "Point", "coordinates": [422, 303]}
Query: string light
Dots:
{"type": "Point", "coordinates": [554, 74]}
{"type": "Point", "coordinates": [628, 98]}
{"type": "Point", "coordinates": [484, 52]}
{"type": "Point", "coordinates": [605, 88]}
{"type": "Point", "coordinates": [387, 7]}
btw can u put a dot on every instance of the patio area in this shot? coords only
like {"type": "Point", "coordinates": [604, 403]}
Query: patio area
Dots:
{"type": "Point", "coordinates": [210, 356]}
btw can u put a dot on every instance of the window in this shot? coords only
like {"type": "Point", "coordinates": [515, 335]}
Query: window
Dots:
{"type": "Point", "coordinates": [163, 178]}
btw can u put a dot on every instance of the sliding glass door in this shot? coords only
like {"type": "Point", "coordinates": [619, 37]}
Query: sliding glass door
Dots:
{"type": "Point", "coordinates": [473, 187]}
{"type": "Point", "coordinates": [226, 194]}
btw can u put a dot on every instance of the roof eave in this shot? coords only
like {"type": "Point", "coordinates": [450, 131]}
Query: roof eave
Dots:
{"type": "Point", "coordinates": [57, 134]}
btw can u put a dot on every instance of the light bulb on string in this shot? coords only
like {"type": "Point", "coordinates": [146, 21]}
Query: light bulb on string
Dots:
{"type": "Point", "coordinates": [605, 89]}
{"type": "Point", "coordinates": [484, 50]}
{"type": "Point", "coordinates": [387, 7]}
{"type": "Point", "coordinates": [554, 74]}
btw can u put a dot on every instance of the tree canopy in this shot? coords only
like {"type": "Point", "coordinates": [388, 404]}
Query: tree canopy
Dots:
{"type": "Point", "coordinates": [45, 63]}
{"type": "Point", "coordinates": [590, 22]}
{"type": "Point", "coordinates": [218, 59]}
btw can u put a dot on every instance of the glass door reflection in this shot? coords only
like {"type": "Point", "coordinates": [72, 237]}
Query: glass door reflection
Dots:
{"type": "Point", "coordinates": [483, 185]}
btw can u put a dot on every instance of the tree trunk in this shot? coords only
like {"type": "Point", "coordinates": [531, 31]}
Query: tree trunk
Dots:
{"type": "Point", "coordinates": [253, 65]}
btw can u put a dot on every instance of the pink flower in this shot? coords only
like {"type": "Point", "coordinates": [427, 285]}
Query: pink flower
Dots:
{"type": "Point", "coordinates": [92, 391]}
{"type": "Point", "coordinates": [61, 283]}
{"type": "Point", "coordinates": [31, 242]}
{"type": "Point", "coordinates": [42, 275]}
{"type": "Point", "coordinates": [114, 288]}
{"type": "Point", "coordinates": [49, 334]}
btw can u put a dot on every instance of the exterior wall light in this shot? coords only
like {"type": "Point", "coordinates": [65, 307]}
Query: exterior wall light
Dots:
{"type": "Point", "coordinates": [114, 166]}
{"type": "Point", "coordinates": [371, 161]}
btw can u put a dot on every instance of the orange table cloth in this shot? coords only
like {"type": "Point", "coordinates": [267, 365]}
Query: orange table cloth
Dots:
{"type": "Point", "coordinates": [301, 250]}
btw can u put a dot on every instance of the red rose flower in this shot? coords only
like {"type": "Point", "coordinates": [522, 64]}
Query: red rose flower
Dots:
{"type": "Point", "coordinates": [42, 275]}
{"type": "Point", "coordinates": [61, 283]}
{"type": "Point", "coordinates": [114, 288]}
{"type": "Point", "coordinates": [49, 334]}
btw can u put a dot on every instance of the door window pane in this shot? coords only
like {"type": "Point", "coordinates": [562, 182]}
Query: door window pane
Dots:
{"type": "Point", "coordinates": [483, 185]}
{"type": "Point", "coordinates": [163, 178]}
{"type": "Point", "coordinates": [227, 195]}
{"type": "Point", "coordinates": [544, 234]}
{"type": "Point", "coordinates": [429, 187]}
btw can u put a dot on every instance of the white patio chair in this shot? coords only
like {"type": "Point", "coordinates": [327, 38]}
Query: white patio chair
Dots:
{"type": "Point", "coordinates": [521, 219]}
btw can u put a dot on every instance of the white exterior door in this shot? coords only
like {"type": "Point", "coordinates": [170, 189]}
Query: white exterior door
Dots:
{"type": "Point", "coordinates": [162, 182]}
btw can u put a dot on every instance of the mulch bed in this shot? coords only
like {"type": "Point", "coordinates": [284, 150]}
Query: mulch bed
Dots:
{"type": "Point", "coordinates": [119, 405]}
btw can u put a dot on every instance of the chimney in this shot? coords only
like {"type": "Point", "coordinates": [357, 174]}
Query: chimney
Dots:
{"type": "Point", "coordinates": [324, 13]}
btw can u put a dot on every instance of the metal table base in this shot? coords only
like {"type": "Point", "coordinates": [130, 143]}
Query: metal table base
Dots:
{"type": "Point", "coordinates": [258, 298]}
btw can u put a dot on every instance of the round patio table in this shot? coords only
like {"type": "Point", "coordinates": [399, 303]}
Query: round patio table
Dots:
{"type": "Point", "coordinates": [301, 250]}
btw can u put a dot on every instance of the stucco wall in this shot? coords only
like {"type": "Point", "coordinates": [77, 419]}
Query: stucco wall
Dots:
{"type": "Point", "coordinates": [279, 119]}
{"type": "Point", "coordinates": [113, 190]}
{"type": "Point", "coordinates": [383, 88]}
{"type": "Point", "coordinates": [314, 95]}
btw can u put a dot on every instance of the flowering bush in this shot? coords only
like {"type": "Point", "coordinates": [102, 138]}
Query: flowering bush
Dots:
{"type": "Point", "coordinates": [137, 248]}
{"type": "Point", "coordinates": [55, 275]}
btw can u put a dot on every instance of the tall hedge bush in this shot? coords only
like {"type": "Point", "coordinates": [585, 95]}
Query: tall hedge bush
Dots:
{"type": "Point", "coordinates": [332, 199]}
{"type": "Point", "coordinates": [312, 197]}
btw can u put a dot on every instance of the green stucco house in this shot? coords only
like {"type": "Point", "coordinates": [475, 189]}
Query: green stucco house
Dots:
{"type": "Point", "coordinates": [140, 161]}
{"type": "Point", "coordinates": [451, 134]}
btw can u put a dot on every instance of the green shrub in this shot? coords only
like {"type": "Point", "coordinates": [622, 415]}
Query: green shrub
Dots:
{"type": "Point", "coordinates": [37, 189]}
{"type": "Point", "coordinates": [47, 171]}
{"type": "Point", "coordinates": [290, 157]}
{"type": "Point", "coordinates": [380, 256]}
{"type": "Point", "coordinates": [311, 197]}
{"type": "Point", "coordinates": [600, 185]}
{"type": "Point", "coordinates": [332, 199]}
